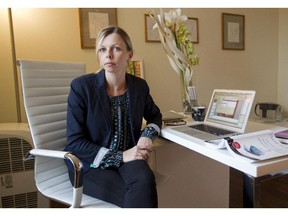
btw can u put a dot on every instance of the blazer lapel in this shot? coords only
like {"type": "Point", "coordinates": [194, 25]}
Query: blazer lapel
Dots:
{"type": "Point", "coordinates": [100, 84]}
{"type": "Point", "coordinates": [132, 91]}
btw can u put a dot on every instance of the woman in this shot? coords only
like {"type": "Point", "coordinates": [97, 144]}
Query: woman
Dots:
{"type": "Point", "coordinates": [104, 120]}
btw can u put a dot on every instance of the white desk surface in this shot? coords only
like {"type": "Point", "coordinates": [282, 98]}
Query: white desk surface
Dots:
{"type": "Point", "coordinates": [255, 169]}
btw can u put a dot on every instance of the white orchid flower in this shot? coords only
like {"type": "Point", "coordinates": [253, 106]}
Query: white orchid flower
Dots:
{"type": "Point", "coordinates": [177, 51]}
{"type": "Point", "coordinates": [176, 17]}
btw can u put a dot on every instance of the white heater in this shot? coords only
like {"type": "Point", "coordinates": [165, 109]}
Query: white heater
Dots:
{"type": "Point", "coordinates": [17, 185]}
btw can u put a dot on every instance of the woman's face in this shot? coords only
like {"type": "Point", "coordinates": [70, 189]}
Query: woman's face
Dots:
{"type": "Point", "coordinates": [113, 54]}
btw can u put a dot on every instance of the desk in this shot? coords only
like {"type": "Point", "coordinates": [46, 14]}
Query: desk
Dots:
{"type": "Point", "coordinates": [254, 172]}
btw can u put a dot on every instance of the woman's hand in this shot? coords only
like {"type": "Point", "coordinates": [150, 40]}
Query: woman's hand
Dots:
{"type": "Point", "coordinates": [139, 152]}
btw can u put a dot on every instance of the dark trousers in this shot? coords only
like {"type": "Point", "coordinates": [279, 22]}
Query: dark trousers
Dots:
{"type": "Point", "coordinates": [132, 185]}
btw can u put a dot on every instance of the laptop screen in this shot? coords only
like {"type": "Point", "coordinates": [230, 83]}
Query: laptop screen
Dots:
{"type": "Point", "coordinates": [230, 108]}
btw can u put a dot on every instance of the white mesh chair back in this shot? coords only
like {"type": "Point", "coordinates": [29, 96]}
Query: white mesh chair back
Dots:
{"type": "Point", "coordinates": [45, 88]}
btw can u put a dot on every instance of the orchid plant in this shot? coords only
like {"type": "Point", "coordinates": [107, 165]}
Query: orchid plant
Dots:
{"type": "Point", "coordinates": [179, 49]}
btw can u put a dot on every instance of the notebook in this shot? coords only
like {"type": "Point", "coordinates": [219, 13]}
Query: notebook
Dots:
{"type": "Point", "coordinates": [227, 115]}
{"type": "Point", "coordinates": [172, 116]}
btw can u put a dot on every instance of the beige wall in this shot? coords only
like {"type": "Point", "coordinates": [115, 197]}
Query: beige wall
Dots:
{"type": "Point", "coordinates": [8, 109]}
{"type": "Point", "coordinates": [53, 34]}
{"type": "Point", "coordinates": [282, 59]}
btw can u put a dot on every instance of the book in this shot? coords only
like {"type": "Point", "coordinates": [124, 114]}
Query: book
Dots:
{"type": "Point", "coordinates": [283, 141]}
{"type": "Point", "coordinates": [172, 118]}
{"type": "Point", "coordinates": [282, 136]}
{"type": "Point", "coordinates": [252, 147]}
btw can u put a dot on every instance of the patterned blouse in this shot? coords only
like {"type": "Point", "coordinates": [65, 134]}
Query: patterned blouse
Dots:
{"type": "Point", "coordinates": [120, 139]}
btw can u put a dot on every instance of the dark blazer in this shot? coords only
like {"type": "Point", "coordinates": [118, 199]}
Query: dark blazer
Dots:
{"type": "Point", "coordinates": [89, 119]}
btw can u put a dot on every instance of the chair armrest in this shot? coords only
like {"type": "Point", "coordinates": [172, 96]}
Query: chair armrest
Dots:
{"type": "Point", "coordinates": [48, 153]}
{"type": "Point", "coordinates": [75, 161]}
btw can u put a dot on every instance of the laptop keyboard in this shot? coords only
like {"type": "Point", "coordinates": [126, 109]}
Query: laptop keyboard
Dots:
{"type": "Point", "coordinates": [211, 129]}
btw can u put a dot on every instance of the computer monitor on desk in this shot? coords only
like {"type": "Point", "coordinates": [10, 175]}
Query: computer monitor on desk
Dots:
{"type": "Point", "coordinates": [227, 115]}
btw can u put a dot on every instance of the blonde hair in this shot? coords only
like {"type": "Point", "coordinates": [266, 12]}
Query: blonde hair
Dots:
{"type": "Point", "coordinates": [113, 29]}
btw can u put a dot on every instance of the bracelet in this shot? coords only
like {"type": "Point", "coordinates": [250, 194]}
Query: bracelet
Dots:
{"type": "Point", "coordinates": [150, 132]}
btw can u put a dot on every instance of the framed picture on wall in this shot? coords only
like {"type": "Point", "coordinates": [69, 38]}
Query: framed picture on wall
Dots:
{"type": "Point", "coordinates": [151, 35]}
{"type": "Point", "coordinates": [135, 67]}
{"type": "Point", "coordinates": [233, 31]}
{"type": "Point", "coordinates": [92, 20]}
{"type": "Point", "coordinates": [192, 25]}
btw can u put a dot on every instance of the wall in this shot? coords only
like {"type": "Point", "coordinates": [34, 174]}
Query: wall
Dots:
{"type": "Point", "coordinates": [54, 34]}
{"type": "Point", "coordinates": [249, 69]}
{"type": "Point", "coordinates": [8, 109]}
{"type": "Point", "coordinates": [282, 59]}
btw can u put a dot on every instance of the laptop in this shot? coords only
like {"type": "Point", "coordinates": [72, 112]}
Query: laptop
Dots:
{"type": "Point", "coordinates": [227, 115]}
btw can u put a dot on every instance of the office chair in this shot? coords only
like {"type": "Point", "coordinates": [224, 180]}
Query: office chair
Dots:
{"type": "Point", "coordinates": [45, 87]}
